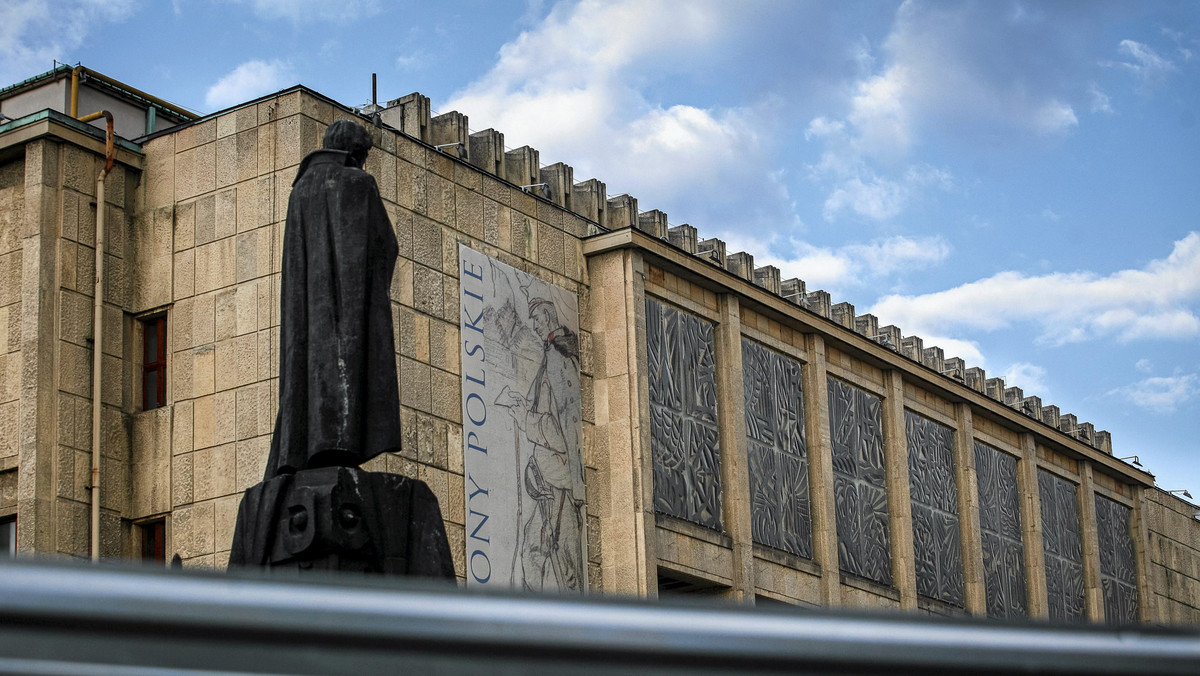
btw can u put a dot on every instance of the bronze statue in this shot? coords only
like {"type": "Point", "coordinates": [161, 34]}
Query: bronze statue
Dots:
{"type": "Point", "coordinates": [339, 402]}
{"type": "Point", "coordinates": [338, 399]}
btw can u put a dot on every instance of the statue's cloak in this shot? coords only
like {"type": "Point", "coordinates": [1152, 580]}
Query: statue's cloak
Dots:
{"type": "Point", "coordinates": [339, 403]}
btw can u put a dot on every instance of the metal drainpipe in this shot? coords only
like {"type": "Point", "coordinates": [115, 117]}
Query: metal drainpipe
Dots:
{"type": "Point", "coordinates": [98, 319]}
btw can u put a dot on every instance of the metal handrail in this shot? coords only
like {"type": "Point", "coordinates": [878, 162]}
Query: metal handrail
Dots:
{"type": "Point", "coordinates": [98, 620]}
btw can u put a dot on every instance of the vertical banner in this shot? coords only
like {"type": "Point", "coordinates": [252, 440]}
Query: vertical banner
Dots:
{"type": "Point", "coordinates": [522, 429]}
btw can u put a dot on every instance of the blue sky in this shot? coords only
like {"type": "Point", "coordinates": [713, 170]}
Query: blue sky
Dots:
{"type": "Point", "coordinates": [1013, 181]}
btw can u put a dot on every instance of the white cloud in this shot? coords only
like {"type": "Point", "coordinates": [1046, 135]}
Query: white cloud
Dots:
{"type": "Point", "coordinates": [571, 87]}
{"type": "Point", "coordinates": [1031, 378]}
{"type": "Point", "coordinates": [1161, 394]}
{"type": "Point", "coordinates": [847, 266]}
{"type": "Point", "coordinates": [1157, 301]}
{"type": "Point", "coordinates": [313, 11]}
{"type": "Point", "coordinates": [1100, 102]}
{"type": "Point", "coordinates": [250, 79]}
{"type": "Point", "coordinates": [1150, 68]}
{"type": "Point", "coordinates": [943, 69]}
{"type": "Point", "coordinates": [33, 33]}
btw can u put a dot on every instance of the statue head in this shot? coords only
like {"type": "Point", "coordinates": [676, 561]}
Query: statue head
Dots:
{"type": "Point", "coordinates": [349, 137]}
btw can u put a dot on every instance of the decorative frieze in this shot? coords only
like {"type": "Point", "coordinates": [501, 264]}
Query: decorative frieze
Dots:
{"type": "Point", "coordinates": [681, 369]}
{"type": "Point", "coordinates": [860, 482]}
{"type": "Point", "coordinates": [778, 458]}
{"type": "Point", "coordinates": [936, 539]}
{"type": "Point", "coordinates": [1063, 547]}
{"type": "Point", "coordinates": [1000, 526]}
{"type": "Point", "coordinates": [1118, 570]}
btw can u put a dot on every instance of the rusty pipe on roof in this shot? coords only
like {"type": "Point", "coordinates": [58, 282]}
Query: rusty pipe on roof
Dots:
{"type": "Point", "coordinates": [98, 321]}
{"type": "Point", "coordinates": [78, 71]}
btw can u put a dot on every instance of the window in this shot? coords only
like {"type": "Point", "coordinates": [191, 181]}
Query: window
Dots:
{"type": "Point", "coordinates": [154, 362]}
{"type": "Point", "coordinates": [8, 537]}
{"type": "Point", "coordinates": [154, 541]}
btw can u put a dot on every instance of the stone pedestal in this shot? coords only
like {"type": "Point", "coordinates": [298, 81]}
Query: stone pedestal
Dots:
{"type": "Point", "coordinates": [344, 519]}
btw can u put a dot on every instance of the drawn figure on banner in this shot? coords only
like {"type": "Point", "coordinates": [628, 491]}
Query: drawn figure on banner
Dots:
{"type": "Point", "coordinates": [546, 418]}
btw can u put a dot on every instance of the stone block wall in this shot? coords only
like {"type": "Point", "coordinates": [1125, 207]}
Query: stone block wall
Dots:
{"type": "Point", "coordinates": [223, 184]}
{"type": "Point", "coordinates": [47, 266]}
{"type": "Point", "coordinates": [1174, 554]}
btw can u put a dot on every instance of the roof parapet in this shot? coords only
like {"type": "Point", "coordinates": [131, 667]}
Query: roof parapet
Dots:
{"type": "Point", "coordinates": [411, 115]}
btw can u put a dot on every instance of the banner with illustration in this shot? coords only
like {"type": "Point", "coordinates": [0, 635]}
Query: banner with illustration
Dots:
{"type": "Point", "coordinates": [522, 429]}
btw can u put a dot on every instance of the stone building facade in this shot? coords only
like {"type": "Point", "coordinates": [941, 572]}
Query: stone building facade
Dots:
{"type": "Point", "coordinates": [742, 437]}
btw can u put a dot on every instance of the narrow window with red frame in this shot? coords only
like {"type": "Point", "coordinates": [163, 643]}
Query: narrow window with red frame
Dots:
{"type": "Point", "coordinates": [154, 362]}
{"type": "Point", "coordinates": [154, 541]}
{"type": "Point", "coordinates": [8, 537]}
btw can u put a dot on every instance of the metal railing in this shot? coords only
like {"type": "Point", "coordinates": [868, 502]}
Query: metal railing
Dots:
{"type": "Point", "coordinates": [67, 619]}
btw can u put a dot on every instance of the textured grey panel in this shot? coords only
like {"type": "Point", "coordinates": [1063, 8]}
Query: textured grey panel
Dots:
{"type": "Point", "coordinates": [1063, 547]}
{"type": "Point", "coordinates": [860, 495]}
{"type": "Point", "coordinates": [683, 415]}
{"type": "Point", "coordinates": [1118, 572]}
{"type": "Point", "coordinates": [934, 498]}
{"type": "Point", "coordinates": [1000, 524]}
{"type": "Point", "coordinates": [779, 505]}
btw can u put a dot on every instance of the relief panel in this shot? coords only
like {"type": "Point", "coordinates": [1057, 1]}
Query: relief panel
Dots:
{"type": "Point", "coordinates": [1000, 526]}
{"type": "Point", "coordinates": [934, 495]}
{"type": "Point", "coordinates": [1118, 572]}
{"type": "Point", "coordinates": [860, 480]}
{"type": "Point", "coordinates": [775, 444]}
{"type": "Point", "coordinates": [683, 415]}
{"type": "Point", "coordinates": [1063, 547]}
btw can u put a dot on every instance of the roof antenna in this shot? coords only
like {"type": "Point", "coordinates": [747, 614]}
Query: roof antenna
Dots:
{"type": "Point", "coordinates": [376, 118]}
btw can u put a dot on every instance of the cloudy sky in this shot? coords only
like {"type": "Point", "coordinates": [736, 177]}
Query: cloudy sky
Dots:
{"type": "Point", "coordinates": [1014, 181]}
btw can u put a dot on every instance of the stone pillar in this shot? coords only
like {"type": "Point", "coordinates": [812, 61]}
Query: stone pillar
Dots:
{"type": "Point", "coordinates": [1013, 396]}
{"type": "Point", "coordinates": [994, 388]}
{"type": "Point", "coordinates": [684, 237]}
{"type": "Point", "coordinates": [654, 223]}
{"type": "Point", "coordinates": [768, 278]}
{"type": "Point", "coordinates": [793, 290]}
{"type": "Point", "coordinates": [731, 421]}
{"type": "Point", "coordinates": [912, 347]}
{"type": "Point", "coordinates": [521, 166]}
{"type": "Point", "coordinates": [622, 212]}
{"type": "Point", "coordinates": [975, 595]}
{"type": "Point", "coordinates": [589, 198]}
{"type": "Point", "coordinates": [1051, 415]}
{"type": "Point", "coordinates": [1147, 612]}
{"type": "Point", "coordinates": [1032, 407]}
{"type": "Point", "coordinates": [485, 149]}
{"type": "Point", "coordinates": [448, 128]}
{"type": "Point", "coordinates": [37, 504]}
{"type": "Point", "coordinates": [409, 114]}
{"type": "Point", "coordinates": [934, 358]}
{"type": "Point", "coordinates": [560, 182]}
{"type": "Point", "coordinates": [843, 313]}
{"type": "Point", "coordinates": [741, 264]}
{"type": "Point", "coordinates": [954, 367]}
{"type": "Point", "coordinates": [1031, 529]}
{"type": "Point", "coordinates": [1104, 441]}
{"type": "Point", "coordinates": [892, 337]}
{"type": "Point", "coordinates": [714, 246]}
{"type": "Point", "coordinates": [820, 303]}
{"type": "Point", "coordinates": [974, 378]}
{"type": "Point", "coordinates": [820, 471]}
{"type": "Point", "coordinates": [867, 325]}
{"type": "Point", "coordinates": [895, 447]}
{"type": "Point", "coordinates": [622, 489]}
{"type": "Point", "coordinates": [1093, 592]}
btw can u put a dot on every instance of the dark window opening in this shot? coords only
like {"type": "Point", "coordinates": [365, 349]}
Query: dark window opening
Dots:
{"type": "Point", "coordinates": [154, 362]}
{"type": "Point", "coordinates": [154, 541]}
{"type": "Point", "coordinates": [8, 537]}
{"type": "Point", "coordinates": [671, 583]}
